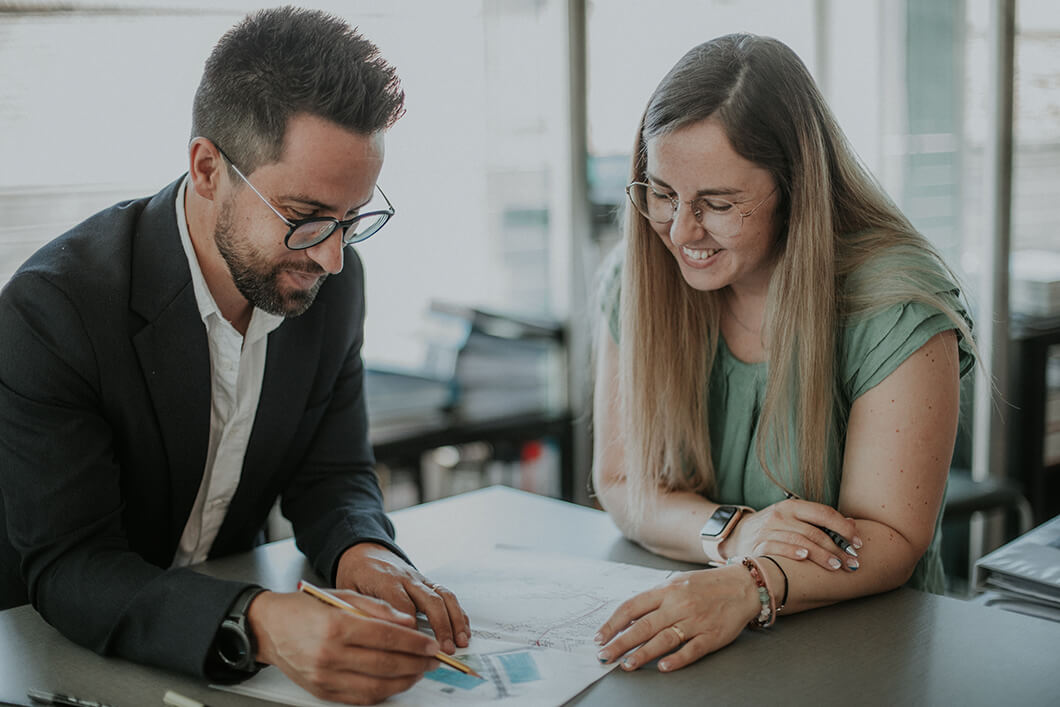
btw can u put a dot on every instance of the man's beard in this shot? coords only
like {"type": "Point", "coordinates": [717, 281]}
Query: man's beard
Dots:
{"type": "Point", "coordinates": [256, 279]}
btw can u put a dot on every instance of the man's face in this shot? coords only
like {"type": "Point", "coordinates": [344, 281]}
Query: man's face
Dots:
{"type": "Point", "coordinates": [325, 170]}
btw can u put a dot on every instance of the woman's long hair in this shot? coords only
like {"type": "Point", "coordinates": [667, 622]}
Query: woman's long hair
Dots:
{"type": "Point", "coordinates": [833, 219]}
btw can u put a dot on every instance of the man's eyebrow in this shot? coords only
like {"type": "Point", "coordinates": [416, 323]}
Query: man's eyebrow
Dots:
{"type": "Point", "coordinates": [723, 191]}
{"type": "Point", "coordinates": [321, 206]}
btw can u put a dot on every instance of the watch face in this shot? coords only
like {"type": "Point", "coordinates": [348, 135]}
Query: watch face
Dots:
{"type": "Point", "coordinates": [233, 645]}
{"type": "Point", "coordinates": [718, 521]}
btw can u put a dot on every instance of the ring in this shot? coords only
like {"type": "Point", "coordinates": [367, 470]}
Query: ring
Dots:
{"type": "Point", "coordinates": [679, 632]}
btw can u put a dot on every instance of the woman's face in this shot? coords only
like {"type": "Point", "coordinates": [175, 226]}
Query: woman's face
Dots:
{"type": "Point", "coordinates": [697, 162]}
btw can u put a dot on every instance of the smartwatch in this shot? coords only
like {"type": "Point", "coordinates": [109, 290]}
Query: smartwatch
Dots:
{"type": "Point", "coordinates": [234, 644]}
{"type": "Point", "coordinates": [718, 527]}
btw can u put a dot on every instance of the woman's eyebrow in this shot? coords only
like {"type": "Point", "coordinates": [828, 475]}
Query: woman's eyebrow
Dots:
{"type": "Point", "coordinates": [721, 191]}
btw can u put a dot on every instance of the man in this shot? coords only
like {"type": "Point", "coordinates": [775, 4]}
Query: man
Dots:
{"type": "Point", "coordinates": [172, 365]}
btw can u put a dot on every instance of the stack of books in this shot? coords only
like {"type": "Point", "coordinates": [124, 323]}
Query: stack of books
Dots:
{"type": "Point", "coordinates": [1024, 575]}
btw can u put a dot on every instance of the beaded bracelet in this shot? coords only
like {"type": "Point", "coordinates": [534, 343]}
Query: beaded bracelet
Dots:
{"type": "Point", "coordinates": [784, 599]}
{"type": "Point", "coordinates": [768, 614]}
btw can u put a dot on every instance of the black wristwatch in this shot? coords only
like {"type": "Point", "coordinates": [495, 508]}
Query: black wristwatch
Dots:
{"type": "Point", "coordinates": [234, 644]}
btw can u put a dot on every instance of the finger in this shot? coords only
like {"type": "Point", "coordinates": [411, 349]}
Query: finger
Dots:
{"type": "Point", "coordinates": [433, 606]}
{"type": "Point", "coordinates": [689, 653]}
{"type": "Point", "coordinates": [457, 616]}
{"type": "Point", "coordinates": [661, 643]}
{"type": "Point", "coordinates": [639, 632]}
{"type": "Point", "coordinates": [627, 612]}
{"type": "Point", "coordinates": [829, 518]}
{"type": "Point", "coordinates": [798, 547]}
{"type": "Point", "coordinates": [367, 632]}
{"type": "Point", "coordinates": [396, 594]}
{"type": "Point", "coordinates": [380, 663]}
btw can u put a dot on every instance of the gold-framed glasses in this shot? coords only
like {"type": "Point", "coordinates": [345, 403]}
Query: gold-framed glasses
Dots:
{"type": "Point", "coordinates": [719, 217]}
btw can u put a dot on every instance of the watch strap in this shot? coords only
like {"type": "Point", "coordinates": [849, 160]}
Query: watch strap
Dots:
{"type": "Point", "coordinates": [711, 543]}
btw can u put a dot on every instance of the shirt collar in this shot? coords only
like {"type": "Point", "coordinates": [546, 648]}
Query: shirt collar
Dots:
{"type": "Point", "coordinates": [261, 322]}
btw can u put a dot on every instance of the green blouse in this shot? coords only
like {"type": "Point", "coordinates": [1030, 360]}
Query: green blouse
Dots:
{"type": "Point", "coordinates": [872, 347]}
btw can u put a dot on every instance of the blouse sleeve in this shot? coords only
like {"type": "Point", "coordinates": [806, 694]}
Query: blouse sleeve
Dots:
{"type": "Point", "coordinates": [875, 345]}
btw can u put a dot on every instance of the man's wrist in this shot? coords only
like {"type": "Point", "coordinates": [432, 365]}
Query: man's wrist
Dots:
{"type": "Point", "coordinates": [236, 645]}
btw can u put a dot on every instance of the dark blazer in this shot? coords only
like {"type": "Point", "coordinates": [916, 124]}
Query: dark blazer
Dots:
{"type": "Point", "coordinates": [104, 423]}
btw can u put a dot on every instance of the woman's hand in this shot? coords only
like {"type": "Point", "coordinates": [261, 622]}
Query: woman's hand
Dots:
{"type": "Point", "coordinates": [692, 614]}
{"type": "Point", "coordinates": [796, 529]}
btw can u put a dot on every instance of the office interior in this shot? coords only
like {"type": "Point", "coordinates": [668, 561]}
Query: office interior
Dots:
{"type": "Point", "coordinates": [507, 174]}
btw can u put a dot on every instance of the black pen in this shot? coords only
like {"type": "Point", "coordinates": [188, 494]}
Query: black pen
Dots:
{"type": "Point", "coordinates": [836, 537]}
{"type": "Point", "coordinates": [54, 698]}
{"type": "Point", "coordinates": [839, 540]}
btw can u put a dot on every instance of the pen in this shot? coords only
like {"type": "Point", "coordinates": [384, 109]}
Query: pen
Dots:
{"type": "Point", "coordinates": [329, 598]}
{"type": "Point", "coordinates": [55, 698]}
{"type": "Point", "coordinates": [839, 540]}
{"type": "Point", "coordinates": [836, 537]}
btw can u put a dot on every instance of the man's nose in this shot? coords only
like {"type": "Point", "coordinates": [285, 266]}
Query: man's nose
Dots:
{"type": "Point", "coordinates": [328, 253]}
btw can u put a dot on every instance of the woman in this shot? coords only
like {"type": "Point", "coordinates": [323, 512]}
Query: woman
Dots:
{"type": "Point", "coordinates": [778, 372]}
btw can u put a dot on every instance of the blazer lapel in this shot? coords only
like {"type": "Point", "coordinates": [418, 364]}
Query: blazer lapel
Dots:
{"type": "Point", "coordinates": [173, 350]}
{"type": "Point", "coordinates": [289, 371]}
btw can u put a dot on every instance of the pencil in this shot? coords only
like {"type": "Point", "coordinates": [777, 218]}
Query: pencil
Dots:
{"type": "Point", "coordinates": [329, 598]}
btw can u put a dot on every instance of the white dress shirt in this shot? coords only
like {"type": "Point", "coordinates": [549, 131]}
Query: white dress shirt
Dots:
{"type": "Point", "coordinates": [237, 368]}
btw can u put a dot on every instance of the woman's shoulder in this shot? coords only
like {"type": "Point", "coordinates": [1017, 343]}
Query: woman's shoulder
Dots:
{"type": "Point", "coordinates": [609, 287]}
{"type": "Point", "coordinates": [894, 301]}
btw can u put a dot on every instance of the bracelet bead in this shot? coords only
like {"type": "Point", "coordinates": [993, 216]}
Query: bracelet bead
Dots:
{"type": "Point", "coordinates": [767, 615]}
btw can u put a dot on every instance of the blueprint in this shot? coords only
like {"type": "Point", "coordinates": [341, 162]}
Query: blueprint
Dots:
{"type": "Point", "coordinates": [533, 618]}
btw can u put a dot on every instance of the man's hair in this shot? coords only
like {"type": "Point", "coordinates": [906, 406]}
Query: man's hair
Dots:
{"type": "Point", "coordinates": [286, 61]}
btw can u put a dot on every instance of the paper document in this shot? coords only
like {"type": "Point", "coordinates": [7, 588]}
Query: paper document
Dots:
{"type": "Point", "coordinates": [533, 618]}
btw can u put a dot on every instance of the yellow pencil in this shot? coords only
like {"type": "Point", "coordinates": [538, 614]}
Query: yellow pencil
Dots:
{"type": "Point", "coordinates": [328, 598]}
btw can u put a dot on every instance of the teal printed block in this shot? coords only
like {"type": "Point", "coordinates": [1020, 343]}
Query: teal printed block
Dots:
{"type": "Point", "coordinates": [454, 678]}
{"type": "Point", "coordinates": [520, 667]}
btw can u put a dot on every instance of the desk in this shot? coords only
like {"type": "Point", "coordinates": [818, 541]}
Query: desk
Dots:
{"type": "Point", "coordinates": [903, 647]}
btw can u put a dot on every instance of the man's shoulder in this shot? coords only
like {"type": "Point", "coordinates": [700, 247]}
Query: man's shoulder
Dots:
{"type": "Point", "coordinates": [94, 249]}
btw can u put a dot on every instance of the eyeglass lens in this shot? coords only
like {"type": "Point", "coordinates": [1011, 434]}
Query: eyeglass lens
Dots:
{"type": "Point", "coordinates": [309, 234]}
{"type": "Point", "coordinates": [719, 217]}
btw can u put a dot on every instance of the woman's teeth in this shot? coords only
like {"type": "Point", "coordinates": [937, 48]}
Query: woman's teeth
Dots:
{"type": "Point", "coordinates": [698, 254]}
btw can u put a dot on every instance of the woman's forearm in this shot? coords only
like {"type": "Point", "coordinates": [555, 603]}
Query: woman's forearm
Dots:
{"type": "Point", "coordinates": [670, 527]}
{"type": "Point", "coordinates": [886, 561]}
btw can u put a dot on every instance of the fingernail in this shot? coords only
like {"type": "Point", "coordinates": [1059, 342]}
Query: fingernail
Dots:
{"type": "Point", "coordinates": [603, 657]}
{"type": "Point", "coordinates": [462, 638]}
{"type": "Point", "coordinates": [663, 665]}
{"type": "Point", "coordinates": [851, 551]}
{"type": "Point", "coordinates": [598, 639]}
{"type": "Point", "coordinates": [834, 563]}
{"type": "Point", "coordinates": [852, 564]}
{"type": "Point", "coordinates": [629, 664]}
{"type": "Point", "coordinates": [857, 542]}
{"type": "Point", "coordinates": [801, 553]}
{"type": "Point", "coordinates": [450, 647]}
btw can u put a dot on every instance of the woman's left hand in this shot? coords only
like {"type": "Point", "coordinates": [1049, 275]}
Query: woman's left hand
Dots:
{"type": "Point", "coordinates": [694, 613]}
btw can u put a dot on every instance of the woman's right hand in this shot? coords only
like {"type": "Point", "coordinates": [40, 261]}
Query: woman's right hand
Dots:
{"type": "Point", "coordinates": [795, 528]}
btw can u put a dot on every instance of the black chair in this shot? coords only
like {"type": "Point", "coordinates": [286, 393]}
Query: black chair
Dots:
{"type": "Point", "coordinates": [965, 497]}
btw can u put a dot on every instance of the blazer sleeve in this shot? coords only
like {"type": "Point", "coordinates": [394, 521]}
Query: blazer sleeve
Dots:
{"type": "Point", "coordinates": [63, 497]}
{"type": "Point", "coordinates": [333, 499]}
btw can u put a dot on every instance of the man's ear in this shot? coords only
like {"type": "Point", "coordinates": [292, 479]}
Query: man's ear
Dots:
{"type": "Point", "coordinates": [205, 168]}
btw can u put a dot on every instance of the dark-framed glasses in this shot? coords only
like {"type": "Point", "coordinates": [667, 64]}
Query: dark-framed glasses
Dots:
{"type": "Point", "coordinates": [718, 216]}
{"type": "Point", "coordinates": [307, 232]}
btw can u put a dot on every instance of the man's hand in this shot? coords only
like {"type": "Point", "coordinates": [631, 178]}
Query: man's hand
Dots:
{"type": "Point", "coordinates": [338, 656]}
{"type": "Point", "coordinates": [374, 570]}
